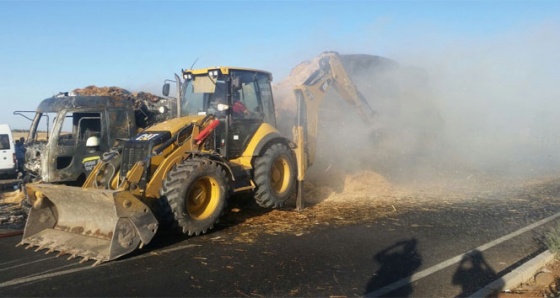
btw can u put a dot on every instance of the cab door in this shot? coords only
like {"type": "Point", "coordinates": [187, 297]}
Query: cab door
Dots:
{"type": "Point", "coordinates": [255, 97]}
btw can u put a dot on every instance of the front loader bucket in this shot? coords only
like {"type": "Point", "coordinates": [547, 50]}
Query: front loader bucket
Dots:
{"type": "Point", "coordinates": [90, 223]}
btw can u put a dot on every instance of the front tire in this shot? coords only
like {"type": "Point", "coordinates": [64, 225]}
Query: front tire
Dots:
{"type": "Point", "coordinates": [274, 173]}
{"type": "Point", "coordinates": [196, 192]}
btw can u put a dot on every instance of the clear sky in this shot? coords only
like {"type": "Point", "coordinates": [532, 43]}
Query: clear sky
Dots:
{"type": "Point", "coordinates": [51, 46]}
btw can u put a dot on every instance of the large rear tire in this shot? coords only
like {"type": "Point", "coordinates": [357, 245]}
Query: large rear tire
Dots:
{"type": "Point", "coordinates": [275, 173]}
{"type": "Point", "coordinates": [196, 191]}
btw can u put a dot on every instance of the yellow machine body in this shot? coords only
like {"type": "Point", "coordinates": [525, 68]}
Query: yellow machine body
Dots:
{"type": "Point", "coordinates": [183, 170]}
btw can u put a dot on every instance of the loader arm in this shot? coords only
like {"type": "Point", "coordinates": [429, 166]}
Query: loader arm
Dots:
{"type": "Point", "coordinates": [309, 97]}
{"type": "Point", "coordinates": [112, 214]}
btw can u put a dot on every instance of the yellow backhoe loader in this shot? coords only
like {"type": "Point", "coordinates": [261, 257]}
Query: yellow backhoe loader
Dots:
{"type": "Point", "coordinates": [183, 170]}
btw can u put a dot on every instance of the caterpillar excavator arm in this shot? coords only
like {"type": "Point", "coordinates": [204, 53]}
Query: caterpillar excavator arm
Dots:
{"type": "Point", "coordinates": [309, 97]}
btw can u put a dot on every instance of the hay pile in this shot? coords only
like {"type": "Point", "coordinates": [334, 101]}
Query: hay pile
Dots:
{"type": "Point", "coordinates": [365, 70]}
{"type": "Point", "coordinates": [284, 98]}
{"type": "Point", "coordinates": [12, 216]}
{"type": "Point", "coordinates": [368, 182]}
{"type": "Point", "coordinates": [117, 92]}
{"type": "Point", "coordinates": [12, 197]}
{"type": "Point", "coordinates": [146, 104]}
{"type": "Point", "coordinates": [340, 171]}
{"type": "Point", "coordinates": [402, 144]}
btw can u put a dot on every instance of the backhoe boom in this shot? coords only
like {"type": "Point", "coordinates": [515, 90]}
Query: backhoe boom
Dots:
{"type": "Point", "coordinates": [309, 97]}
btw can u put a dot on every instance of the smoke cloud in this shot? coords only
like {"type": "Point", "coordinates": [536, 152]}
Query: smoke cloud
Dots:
{"type": "Point", "coordinates": [474, 107]}
{"type": "Point", "coordinates": [499, 101]}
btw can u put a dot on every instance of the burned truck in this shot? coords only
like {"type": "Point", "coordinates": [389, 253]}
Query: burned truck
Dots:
{"type": "Point", "coordinates": [63, 124]}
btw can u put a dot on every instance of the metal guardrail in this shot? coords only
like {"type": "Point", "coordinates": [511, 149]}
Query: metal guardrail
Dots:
{"type": "Point", "coordinates": [6, 184]}
{"type": "Point", "coordinates": [9, 181]}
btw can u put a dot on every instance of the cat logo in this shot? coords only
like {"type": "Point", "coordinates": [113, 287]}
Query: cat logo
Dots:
{"type": "Point", "coordinates": [146, 136]}
{"type": "Point", "coordinates": [325, 85]}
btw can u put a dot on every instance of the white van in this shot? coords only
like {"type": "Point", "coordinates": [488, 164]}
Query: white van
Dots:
{"type": "Point", "coordinates": [7, 153]}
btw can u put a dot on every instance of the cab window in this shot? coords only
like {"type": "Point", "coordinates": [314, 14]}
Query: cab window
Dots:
{"type": "Point", "coordinates": [246, 102]}
{"type": "Point", "coordinates": [77, 127]}
{"type": "Point", "coordinates": [267, 101]}
{"type": "Point", "coordinates": [4, 141]}
{"type": "Point", "coordinates": [248, 97]}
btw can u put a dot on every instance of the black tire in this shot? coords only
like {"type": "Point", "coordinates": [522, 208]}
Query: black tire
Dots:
{"type": "Point", "coordinates": [196, 191]}
{"type": "Point", "coordinates": [163, 212]}
{"type": "Point", "coordinates": [275, 176]}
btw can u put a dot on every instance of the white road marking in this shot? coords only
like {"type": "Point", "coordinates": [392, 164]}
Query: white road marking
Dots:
{"type": "Point", "coordinates": [376, 293]}
{"type": "Point", "coordinates": [16, 261]}
{"type": "Point", "coordinates": [44, 275]}
{"type": "Point", "coordinates": [25, 264]}
{"type": "Point", "coordinates": [404, 281]}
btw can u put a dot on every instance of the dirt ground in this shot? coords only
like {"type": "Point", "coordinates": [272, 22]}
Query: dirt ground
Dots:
{"type": "Point", "coordinates": [18, 134]}
{"type": "Point", "coordinates": [349, 201]}
{"type": "Point", "coordinates": [12, 216]}
{"type": "Point", "coordinates": [545, 283]}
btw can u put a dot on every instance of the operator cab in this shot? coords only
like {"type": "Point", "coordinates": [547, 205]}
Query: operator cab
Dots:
{"type": "Point", "coordinates": [240, 98]}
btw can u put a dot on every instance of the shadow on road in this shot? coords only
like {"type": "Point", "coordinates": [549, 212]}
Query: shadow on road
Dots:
{"type": "Point", "coordinates": [398, 262]}
{"type": "Point", "coordinates": [473, 273]}
{"type": "Point", "coordinates": [245, 206]}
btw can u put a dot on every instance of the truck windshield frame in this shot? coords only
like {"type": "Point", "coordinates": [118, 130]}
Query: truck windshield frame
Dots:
{"type": "Point", "coordinates": [200, 93]}
{"type": "Point", "coordinates": [42, 124]}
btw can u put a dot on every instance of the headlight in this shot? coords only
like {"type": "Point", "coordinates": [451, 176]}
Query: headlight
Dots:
{"type": "Point", "coordinates": [222, 107]}
{"type": "Point", "coordinates": [162, 109]}
{"type": "Point", "coordinates": [213, 73]}
{"type": "Point", "coordinates": [188, 76]}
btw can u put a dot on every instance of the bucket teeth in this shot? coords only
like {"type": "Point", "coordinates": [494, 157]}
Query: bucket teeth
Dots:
{"type": "Point", "coordinates": [85, 259]}
{"type": "Point", "coordinates": [61, 253]}
{"type": "Point", "coordinates": [52, 249]}
{"type": "Point", "coordinates": [72, 256]}
{"type": "Point", "coordinates": [32, 245]}
{"type": "Point", "coordinates": [43, 246]}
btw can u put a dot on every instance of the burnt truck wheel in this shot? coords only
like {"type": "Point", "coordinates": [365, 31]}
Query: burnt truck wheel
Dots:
{"type": "Point", "coordinates": [275, 173]}
{"type": "Point", "coordinates": [196, 192]}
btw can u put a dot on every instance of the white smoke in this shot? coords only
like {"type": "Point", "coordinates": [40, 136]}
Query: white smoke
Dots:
{"type": "Point", "coordinates": [472, 106]}
{"type": "Point", "coordinates": [499, 99]}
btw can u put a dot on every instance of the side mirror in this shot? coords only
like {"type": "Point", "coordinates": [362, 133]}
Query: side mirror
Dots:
{"type": "Point", "coordinates": [236, 84]}
{"type": "Point", "coordinates": [165, 90]}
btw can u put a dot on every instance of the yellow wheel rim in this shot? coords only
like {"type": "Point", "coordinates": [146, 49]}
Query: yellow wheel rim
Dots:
{"type": "Point", "coordinates": [280, 175]}
{"type": "Point", "coordinates": [203, 198]}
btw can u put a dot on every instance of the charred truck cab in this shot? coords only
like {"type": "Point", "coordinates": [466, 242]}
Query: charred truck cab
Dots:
{"type": "Point", "coordinates": [56, 144]}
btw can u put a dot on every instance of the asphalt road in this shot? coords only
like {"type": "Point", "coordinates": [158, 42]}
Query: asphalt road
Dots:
{"type": "Point", "coordinates": [417, 252]}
